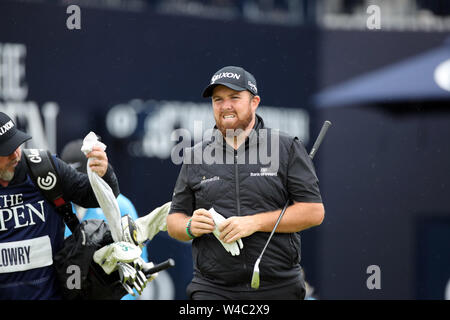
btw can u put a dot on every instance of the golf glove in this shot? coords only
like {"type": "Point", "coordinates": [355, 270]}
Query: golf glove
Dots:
{"type": "Point", "coordinates": [232, 248]}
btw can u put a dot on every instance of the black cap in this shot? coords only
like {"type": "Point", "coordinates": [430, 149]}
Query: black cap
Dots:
{"type": "Point", "coordinates": [10, 137]}
{"type": "Point", "coordinates": [73, 156]}
{"type": "Point", "coordinates": [235, 78]}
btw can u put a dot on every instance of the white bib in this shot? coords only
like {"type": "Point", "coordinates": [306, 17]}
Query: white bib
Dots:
{"type": "Point", "coordinates": [25, 254]}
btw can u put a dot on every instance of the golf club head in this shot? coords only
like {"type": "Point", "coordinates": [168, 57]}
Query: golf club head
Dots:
{"type": "Point", "coordinates": [124, 277]}
{"type": "Point", "coordinates": [255, 276]}
{"type": "Point", "coordinates": [129, 230]}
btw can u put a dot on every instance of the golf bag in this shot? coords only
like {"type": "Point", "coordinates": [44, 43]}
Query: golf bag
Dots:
{"type": "Point", "coordinates": [80, 277]}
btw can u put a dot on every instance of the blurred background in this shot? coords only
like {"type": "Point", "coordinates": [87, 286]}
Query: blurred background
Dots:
{"type": "Point", "coordinates": [133, 71]}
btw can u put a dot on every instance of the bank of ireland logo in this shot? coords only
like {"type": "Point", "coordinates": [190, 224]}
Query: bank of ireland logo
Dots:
{"type": "Point", "coordinates": [48, 182]}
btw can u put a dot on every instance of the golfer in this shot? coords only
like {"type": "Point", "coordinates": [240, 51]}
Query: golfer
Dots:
{"type": "Point", "coordinates": [228, 207]}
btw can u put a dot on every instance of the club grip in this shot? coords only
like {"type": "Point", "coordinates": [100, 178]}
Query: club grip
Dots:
{"type": "Point", "coordinates": [159, 267]}
{"type": "Point", "coordinates": [319, 139]}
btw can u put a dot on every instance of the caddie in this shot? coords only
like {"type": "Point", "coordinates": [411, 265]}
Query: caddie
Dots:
{"type": "Point", "coordinates": [31, 231]}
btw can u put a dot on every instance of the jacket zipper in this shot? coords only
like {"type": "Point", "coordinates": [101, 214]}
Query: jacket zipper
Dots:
{"type": "Point", "coordinates": [236, 175]}
{"type": "Point", "coordinates": [238, 204]}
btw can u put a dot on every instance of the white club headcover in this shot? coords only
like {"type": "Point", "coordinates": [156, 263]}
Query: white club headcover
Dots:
{"type": "Point", "coordinates": [146, 227]}
{"type": "Point", "coordinates": [149, 225]}
{"type": "Point", "coordinates": [232, 248]}
{"type": "Point", "coordinates": [108, 256]}
{"type": "Point", "coordinates": [102, 190]}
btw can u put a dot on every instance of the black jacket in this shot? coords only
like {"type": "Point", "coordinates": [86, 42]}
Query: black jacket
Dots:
{"type": "Point", "coordinates": [245, 188]}
{"type": "Point", "coordinates": [76, 185]}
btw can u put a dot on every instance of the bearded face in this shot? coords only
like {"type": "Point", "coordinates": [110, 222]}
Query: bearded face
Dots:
{"type": "Point", "coordinates": [6, 175]}
{"type": "Point", "coordinates": [234, 111]}
{"type": "Point", "coordinates": [8, 165]}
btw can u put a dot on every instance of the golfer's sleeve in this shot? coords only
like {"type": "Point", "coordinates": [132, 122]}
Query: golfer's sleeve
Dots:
{"type": "Point", "coordinates": [302, 181]}
{"type": "Point", "coordinates": [183, 198]}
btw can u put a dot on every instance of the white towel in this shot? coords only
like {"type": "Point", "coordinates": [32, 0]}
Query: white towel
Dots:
{"type": "Point", "coordinates": [102, 190]}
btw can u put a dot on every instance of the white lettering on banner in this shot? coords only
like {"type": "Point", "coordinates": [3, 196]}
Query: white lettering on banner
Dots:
{"type": "Point", "coordinates": [214, 154]}
{"type": "Point", "coordinates": [14, 91]}
{"type": "Point", "coordinates": [25, 254]}
{"type": "Point", "coordinates": [160, 138]}
{"type": "Point", "coordinates": [12, 71]}
{"type": "Point", "coordinates": [29, 114]}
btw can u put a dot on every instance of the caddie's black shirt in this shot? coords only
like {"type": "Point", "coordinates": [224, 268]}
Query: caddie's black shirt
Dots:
{"type": "Point", "coordinates": [270, 168]}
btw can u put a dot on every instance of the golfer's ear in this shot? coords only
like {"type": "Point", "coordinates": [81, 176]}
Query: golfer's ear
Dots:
{"type": "Point", "coordinates": [255, 102]}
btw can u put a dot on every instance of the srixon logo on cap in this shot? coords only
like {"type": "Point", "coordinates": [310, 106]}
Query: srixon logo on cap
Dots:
{"type": "Point", "coordinates": [5, 128]}
{"type": "Point", "coordinates": [225, 75]}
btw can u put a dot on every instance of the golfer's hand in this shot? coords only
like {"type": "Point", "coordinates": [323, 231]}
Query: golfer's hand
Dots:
{"type": "Point", "coordinates": [201, 223]}
{"type": "Point", "coordinates": [99, 162]}
{"type": "Point", "coordinates": [235, 228]}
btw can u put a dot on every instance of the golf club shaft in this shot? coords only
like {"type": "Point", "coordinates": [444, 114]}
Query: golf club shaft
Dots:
{"type": "Point", "coordinates": [159, 267]}
{"type": "Point", "coordinates": [274, 228]}
{"type": "Point", "coordinates": [314, 149]}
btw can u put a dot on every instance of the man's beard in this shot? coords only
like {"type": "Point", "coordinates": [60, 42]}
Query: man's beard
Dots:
{"type": "Point", "coordinates": [239, 127]}
{"type": "Point", "coordinates": [6, 175]}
